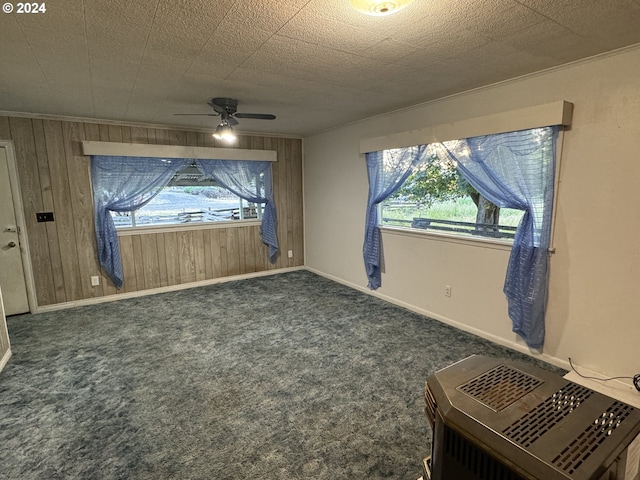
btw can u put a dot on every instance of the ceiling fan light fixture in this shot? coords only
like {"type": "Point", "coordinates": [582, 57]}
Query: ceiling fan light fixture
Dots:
{"type": "Point", "coordinates": [224, 132]}
{"type": "Point", "coordinates": [379, 7]}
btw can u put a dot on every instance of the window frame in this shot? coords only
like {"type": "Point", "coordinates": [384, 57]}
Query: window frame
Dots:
{"type": "Point", "coordinates": [487, 242]}
{"type": "Point", "coordinates": [556, 113]}
{"type": "Point", "coordinates": [479, 239]}
{"type": "Point", "coordinates": [90, 148]}
{"type": "Point", "coordinates": [171, 226]}
{"type": "Point", "coordinates": [181, 227]}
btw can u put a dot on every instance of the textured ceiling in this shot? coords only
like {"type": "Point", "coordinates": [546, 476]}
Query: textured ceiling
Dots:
{"type": "Point", "coordinates": [315, 64]}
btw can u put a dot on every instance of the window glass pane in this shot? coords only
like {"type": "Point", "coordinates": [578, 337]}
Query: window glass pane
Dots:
{"type": "Point", "coordinates": [190, 198]}
{"type": "Point", "coordinates": [436, 197]}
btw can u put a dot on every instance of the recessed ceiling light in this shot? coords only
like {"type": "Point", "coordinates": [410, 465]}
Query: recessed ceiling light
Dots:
{"type": "Point", "coordinates": [379, 7]}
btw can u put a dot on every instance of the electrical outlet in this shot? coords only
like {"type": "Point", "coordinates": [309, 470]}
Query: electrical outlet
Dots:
{"type": "Point", "coordinates": [447, 290]}
{"type": "Point", "coordinates": [95, 281]}
{"type": "Point", "coordinates": [290, 253]}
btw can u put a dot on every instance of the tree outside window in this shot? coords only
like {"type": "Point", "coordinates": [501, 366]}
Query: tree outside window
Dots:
{"type": "Point", "coordinates": [436, 197]}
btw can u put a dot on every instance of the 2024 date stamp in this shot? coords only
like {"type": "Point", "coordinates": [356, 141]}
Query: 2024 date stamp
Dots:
{"type": "Point", "coordinates": [28, 8]}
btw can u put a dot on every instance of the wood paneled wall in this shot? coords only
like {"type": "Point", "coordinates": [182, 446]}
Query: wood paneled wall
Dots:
{"type": "Point", "coordinates": [54, 177]}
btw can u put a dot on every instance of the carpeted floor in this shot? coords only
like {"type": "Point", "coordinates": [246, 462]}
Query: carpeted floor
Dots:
{"type": "Point", "coordinates": [289, 376]}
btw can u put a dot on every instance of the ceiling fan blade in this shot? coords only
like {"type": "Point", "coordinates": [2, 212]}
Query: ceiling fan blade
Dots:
{"type": "Point", "coordinates": [257, 116]}
{"type": "Point", "coordinates": [225, 108]}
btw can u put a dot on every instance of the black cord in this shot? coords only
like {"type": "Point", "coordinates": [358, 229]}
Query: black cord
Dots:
{"type": "Point", "coordinates": [635, 379]}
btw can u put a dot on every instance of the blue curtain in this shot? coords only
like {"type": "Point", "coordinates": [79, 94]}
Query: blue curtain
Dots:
{"type": "Point", "coordinates": [124, 184]}
{"type": "Point", "coordinates": [387, 172]}
{"type": "Point", "coordinates": [250, 180]}
{"type": "Point", "coordinates": [517, 170]}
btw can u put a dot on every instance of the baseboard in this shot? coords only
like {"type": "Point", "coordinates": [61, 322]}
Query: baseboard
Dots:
{"type": "Point", "coordinates": [155, 291]}
{"type": "Point", "coordinates": [558, 362]}
{"type": "Point", "coordinates": [5, 359]}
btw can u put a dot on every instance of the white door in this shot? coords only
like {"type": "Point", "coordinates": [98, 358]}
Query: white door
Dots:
{"type": "Point", "coordinates": [12, 277]}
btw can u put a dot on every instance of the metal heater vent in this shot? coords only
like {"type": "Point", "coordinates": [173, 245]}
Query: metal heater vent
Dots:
{"type": "Point", "coordinates": [545, 416]}
{"type": "Point", "coordinates": [500, 387]}
{"type": "Point", "coordinates": [585, 444]}
{"type": "Point", "coordinates": [431, 406]}
{"type": "Point", "coordinates": [476, 462]}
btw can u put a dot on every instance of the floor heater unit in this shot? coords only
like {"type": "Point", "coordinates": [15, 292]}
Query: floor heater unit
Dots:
{"type": "Point", "coordinates": [494, 419]}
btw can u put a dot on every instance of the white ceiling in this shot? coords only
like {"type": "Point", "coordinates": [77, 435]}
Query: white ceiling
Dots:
{"type": "Point", "coordinates": [315, 64]}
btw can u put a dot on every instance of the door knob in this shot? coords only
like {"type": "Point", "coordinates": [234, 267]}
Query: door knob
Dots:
{"type": "Point", "coordinates": [11, 244]}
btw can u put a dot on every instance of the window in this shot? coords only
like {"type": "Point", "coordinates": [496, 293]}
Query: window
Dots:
{"type": "Point", "coordinates": [126, 184]}
{"type": "Point", "coordinates": [511, 159]}
{"type": "Point", "coordinates": [190, 197]}
{"type": "Point", "coordinates": [436, 197]}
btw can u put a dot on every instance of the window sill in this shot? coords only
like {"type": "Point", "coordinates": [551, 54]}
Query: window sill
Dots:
{"type": "Point", "coordinates": [448, 237]}
{"type": "Point", "coordinates": [183, 227]}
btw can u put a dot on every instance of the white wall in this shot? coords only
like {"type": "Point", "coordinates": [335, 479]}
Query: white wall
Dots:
{"type": "Point", "coordinates": [593, 313]}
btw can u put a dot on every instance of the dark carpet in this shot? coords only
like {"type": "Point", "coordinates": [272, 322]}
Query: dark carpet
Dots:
{"type": "Point", "coordinates": [289, 376]}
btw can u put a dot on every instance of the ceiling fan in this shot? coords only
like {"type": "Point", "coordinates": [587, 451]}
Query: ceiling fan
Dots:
{"type": "Point", "coordinates": [226, 109]}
